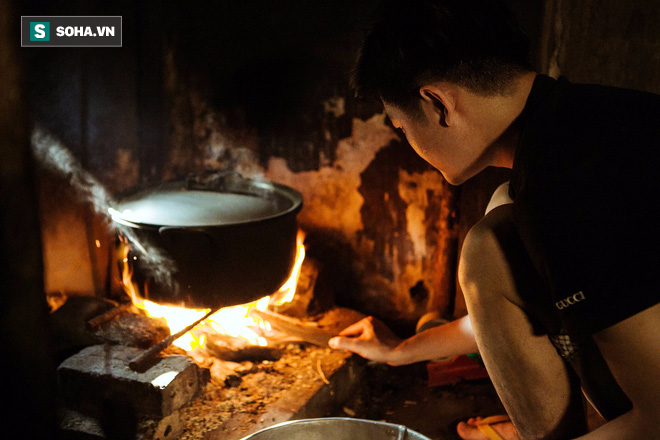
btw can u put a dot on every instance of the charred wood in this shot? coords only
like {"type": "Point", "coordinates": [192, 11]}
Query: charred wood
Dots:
{"type": "Point", "coordinates": [233, 349]}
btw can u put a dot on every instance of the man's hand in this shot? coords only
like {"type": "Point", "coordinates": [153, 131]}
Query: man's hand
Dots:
{"type": "Point", "coordinates": [369, 338]}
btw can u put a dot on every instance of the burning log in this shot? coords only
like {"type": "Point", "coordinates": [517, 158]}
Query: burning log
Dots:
{"type": "Point", "coordinates": [132, 328]}
{"type": "Point", "coordinates": [70, 324]}
{"type": "Point", "coordinates": [294, 327]}
{"type": "Point", "coordinates": [298, 306]}
{"type": "Point", "coordinates": [85, 321]}
{"type": "Point", "coordinates": [107, 316]}
{"type": "Point", "coordinates": [315, 332]}
{"type": "Point", "coordinates": [238, 350]}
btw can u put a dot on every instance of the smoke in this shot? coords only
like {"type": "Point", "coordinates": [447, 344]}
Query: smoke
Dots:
{"type": "Point", "coordinates": [52, 155]}
{"type": "Point", "coordinates": [222, 145]}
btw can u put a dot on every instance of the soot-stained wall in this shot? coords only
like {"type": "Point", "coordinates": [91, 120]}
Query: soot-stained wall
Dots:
{"type": "Point", "coordinates": [261, 87]}
{"type": "Point", "coordinates": [604, 42]}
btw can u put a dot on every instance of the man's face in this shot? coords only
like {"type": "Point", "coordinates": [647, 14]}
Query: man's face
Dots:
{"type": "Point", "coordinates": [452, 150]}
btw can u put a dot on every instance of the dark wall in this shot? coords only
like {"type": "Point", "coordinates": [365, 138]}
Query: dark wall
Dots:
{"type": "Point", "coordinates": [269, 66]}
{"type": "Point", "coordinates": [604, 42]}
{"type": "Point", "coordinates": [257, 85]}
{"type": "Point", "coordinates": [29, 367]}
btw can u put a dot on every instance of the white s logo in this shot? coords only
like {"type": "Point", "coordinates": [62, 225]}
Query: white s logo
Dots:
{"type": "Point", "coordinates": [39, 31]}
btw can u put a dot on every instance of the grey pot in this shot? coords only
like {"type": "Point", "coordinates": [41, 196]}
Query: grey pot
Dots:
{"type": "Point", "coordinates": [336, 428]}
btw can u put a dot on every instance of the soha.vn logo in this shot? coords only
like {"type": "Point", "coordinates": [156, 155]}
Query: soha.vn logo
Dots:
{"type": "Point", "coordinates": [78, 31]}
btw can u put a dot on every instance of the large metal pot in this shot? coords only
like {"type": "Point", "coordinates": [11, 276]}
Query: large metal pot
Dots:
{"type": "Point", "coordinates": [336, 428]}
{"type": "Point", "coordinates": [233, 240]}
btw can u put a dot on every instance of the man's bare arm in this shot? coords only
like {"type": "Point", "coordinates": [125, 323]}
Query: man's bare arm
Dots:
{"type": "Point", "coordinates": [372, 340]}
{"type": "Point", "coordinates": [632, 351]}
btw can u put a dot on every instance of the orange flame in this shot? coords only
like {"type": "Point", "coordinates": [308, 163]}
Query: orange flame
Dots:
{"type": "Point", "coordinates": [236, 321]}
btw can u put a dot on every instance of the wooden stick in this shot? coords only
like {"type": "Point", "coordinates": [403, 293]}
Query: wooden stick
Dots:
{"type": "Point", "coordinates": [101, 319]}
{"type": "Point", "coordinates": [246, 352]}
{"type": "Point", "coordinates": [295, 327]}
{"type": "Point", "coordinates": [141, 362]}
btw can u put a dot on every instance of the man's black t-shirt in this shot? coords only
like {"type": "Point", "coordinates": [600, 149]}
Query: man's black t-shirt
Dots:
{"type": "Point", "coordinates": [585, 186]}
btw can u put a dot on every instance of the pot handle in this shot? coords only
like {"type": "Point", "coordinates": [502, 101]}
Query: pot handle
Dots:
{"type": "Point", "coordinates": [180, 238]}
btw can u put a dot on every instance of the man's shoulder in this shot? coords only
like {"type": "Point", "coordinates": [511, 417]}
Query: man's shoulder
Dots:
{"type": "Point", "coordinates": [577, 115]}
{"type": "Point", "coordinates": [591, 94]}
{"type": "Point", "coordinates": [578, 134]}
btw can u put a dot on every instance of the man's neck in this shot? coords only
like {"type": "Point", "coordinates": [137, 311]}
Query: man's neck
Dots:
{"type": "Point", "coordinates": [508, 125]}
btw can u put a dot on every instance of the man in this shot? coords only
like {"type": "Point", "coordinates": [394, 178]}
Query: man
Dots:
{"type": "Point", "coordinates": [559, 285]}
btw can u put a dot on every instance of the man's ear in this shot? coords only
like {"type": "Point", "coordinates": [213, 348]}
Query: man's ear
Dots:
{"type": "Point", "coordinates": [440, 101]}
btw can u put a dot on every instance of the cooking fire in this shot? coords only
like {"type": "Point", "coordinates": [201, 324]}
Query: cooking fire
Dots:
{"type": "Point", "coordinates": [225, 376]}
{"type": "Point", "coordinates": [236, 321]}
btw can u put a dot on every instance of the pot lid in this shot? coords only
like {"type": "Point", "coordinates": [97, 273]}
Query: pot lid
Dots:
{"type": "Point", "coordinates": [195, 208]}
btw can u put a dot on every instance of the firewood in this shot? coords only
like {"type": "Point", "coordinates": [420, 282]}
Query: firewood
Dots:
{"type": "Point", "coordinates": [295, 327]}
{"type": "Point", "coordinates": [238, 350]}
{"type": "Point", "coordinates": [317, 332]}
{"type": "Point", "coordinates": [101, 319]}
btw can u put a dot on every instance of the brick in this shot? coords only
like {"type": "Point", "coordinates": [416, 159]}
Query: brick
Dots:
{"type": "Point", "coordinates": [98, 378]}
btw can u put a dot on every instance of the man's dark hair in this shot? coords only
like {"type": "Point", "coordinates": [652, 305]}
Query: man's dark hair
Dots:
{"type": "Point", "coordinates": [476, 44]}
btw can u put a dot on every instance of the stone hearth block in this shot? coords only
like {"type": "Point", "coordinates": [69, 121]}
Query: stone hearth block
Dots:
{"type": "Point", "coordinates": [97, 379]}
{"type": "Point", "coordinates": [76, 426]}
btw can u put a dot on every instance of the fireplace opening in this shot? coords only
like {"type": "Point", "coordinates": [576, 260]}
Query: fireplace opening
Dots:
{"type": "Point", "coordinates": [242, 368]}
{"type": "Point", "coordinates": [259, 88]}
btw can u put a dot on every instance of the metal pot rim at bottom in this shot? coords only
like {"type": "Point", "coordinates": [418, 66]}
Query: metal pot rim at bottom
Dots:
{"type": "Point", "coordinates": [336, 428]}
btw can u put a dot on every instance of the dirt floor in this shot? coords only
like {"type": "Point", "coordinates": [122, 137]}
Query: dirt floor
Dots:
{"type": "Point", "coordinates": [401, 395]}
{"type": "Point", "coordinates": [254, 395]}
{"type": "Point", "coordinates": [390, 394]}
